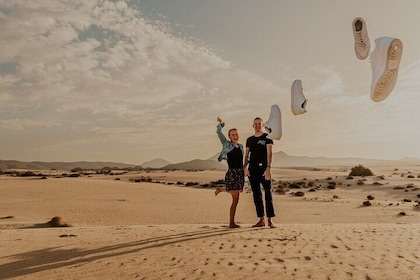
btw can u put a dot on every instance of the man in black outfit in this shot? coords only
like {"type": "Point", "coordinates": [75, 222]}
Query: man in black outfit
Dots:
{"type": "Point", "coordinates": [259, 154]}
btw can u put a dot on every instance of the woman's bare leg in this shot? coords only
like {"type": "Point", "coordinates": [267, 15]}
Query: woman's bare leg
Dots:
{"type": "Point", "coordinates": [235, 200]}
{"type": "Point", "coordinates": [219, 190]}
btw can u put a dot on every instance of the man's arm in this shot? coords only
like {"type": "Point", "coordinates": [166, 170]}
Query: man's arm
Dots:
{"type": "Point", "coordinates": [246, 161]}
{"type": "Point", "coordinates": [267, 172]}
{"type": "Point", "coordinates": [269, 154]}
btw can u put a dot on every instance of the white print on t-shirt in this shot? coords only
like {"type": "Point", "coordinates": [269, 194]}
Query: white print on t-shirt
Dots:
{"type": "Point", "coordinates": [261, 142]}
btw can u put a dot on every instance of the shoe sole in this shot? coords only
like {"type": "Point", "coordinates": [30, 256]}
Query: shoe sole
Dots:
{"type": "Point", "coordinates": [388, 79]}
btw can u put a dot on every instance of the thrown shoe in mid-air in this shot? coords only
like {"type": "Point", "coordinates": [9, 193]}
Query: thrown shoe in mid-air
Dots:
{"type": "Point", "coordinates": [273, 124]}
{"type": "Point", "coordinates": [298, 99]}
{"type": "Point", "coordinates": [385, 60]}
{"type": "Point", "coordinates": [361, 38]}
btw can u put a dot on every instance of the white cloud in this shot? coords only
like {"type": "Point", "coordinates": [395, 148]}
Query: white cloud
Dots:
{"type": "Point", "coordinates": [93, 74]}
{"type": "Point", "coordinates": [22, 124]}
{"type": "Point", "coordinates": [124, 53]}
{"type": "Point", "coordinates": [99, 67]}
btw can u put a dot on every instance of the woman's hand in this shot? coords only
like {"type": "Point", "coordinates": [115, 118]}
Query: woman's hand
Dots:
{"type": "Point", "coordinates": [219, 119]}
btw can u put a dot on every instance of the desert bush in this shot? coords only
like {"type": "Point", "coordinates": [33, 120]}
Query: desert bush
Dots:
{"type": "Point", "coordinates": [281, 191]}
{"type": "Point", "coordinates": [76, 169]}
{"type": "Point", "coordinates": [360, 170]}
{"type": "Point", "coordinates": [367, 203]}
{"type": "Point", "coordinates": [294, 186]}
{"type": "Point", "coordinates": [141, 179]}
{"type": "Point", "coordinates": [57, 222]}
{"type": "Point", "coordinates": [220, 181]}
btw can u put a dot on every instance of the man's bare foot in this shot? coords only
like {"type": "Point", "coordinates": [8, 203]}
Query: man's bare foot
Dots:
{"type": "Point", "coordinates": [271, 225]}
{"type": "Point", "coordinates": [218, 190]}
{"type": "Point", "coordinates": [234, 225]}
{"type": "Point", "coordinates": [259, 224]}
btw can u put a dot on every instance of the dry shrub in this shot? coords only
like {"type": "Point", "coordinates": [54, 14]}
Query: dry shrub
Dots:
{"type": "Point", "coordinates": [57, 222]}
{"type": "Point", "coordinates": [360, 170]}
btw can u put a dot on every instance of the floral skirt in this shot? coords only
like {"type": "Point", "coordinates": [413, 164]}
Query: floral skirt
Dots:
{"type": "Point", "coordinates": [235, 179]}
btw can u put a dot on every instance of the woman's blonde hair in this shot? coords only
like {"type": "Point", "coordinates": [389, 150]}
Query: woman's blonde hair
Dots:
{"type": "Point", "coordinates": [232, 129]}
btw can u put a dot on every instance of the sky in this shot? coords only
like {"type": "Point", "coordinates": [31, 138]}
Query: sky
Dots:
{"type": "Point", "coordinates": [132, 81]}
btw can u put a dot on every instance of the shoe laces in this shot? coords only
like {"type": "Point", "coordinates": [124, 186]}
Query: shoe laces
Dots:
{"type": "Point", "coordinates": [361, 42]}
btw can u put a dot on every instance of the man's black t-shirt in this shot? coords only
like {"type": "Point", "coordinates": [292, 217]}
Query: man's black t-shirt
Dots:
{"type": "Point", "coordinates": [258, 151]}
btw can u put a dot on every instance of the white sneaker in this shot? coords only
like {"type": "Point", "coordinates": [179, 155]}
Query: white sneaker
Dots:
{"type": "Point", "coordinates": [273, 124]}
{"type": "Point", "coordinates": [361, 38]}
{"type": "Point", "coordinates": [385, 60]}
{"type": "Point", "coordinates": [298, 99]}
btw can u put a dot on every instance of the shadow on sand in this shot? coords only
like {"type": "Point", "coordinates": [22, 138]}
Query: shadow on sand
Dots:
{"type": "Point", "coordinates": [55, 257]}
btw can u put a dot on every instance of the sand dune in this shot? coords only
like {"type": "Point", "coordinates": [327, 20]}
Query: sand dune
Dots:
{"type": "Point", "coordinates": [161, 230]}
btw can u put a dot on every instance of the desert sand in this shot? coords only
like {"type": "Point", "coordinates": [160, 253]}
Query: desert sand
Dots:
{"type": "Point", "coordinates": [120, 228]}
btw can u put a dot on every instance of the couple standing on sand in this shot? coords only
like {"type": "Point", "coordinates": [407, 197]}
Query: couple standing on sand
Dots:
{"type": "Point", "coordinates": [258, 154]}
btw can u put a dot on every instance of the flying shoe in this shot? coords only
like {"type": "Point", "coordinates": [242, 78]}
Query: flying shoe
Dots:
{"type": "Point", "coordinates": [361, 38]}
{"type": "Point", "coordinates": [385, 60]}
{"type": "Point", "coordinates": [273, 124]}
{"type": "Point", "coordinates": [299, 101]}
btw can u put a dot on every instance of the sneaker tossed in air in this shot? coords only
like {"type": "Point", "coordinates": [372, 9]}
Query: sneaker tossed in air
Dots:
{"type": "Point", "coordinates": [361, 38]}
{"type": "Point", "coordinates": [385, 60]}
{"type": "Point", "coordinates": [273, 124]}
{"type": "Point", "coordinates": [299, 101]}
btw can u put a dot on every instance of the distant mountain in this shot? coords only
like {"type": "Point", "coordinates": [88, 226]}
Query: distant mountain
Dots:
{"type": "Point", "coordinates": [155, 163]}
{"type": "Point", "coordinates": [410, 159]}
{"type": "Point", "coordinates": [197, 164]}
{"type": "Point", "coordinates": [38, 165]}
{"type": "Point", "coordinates": [281, 159]}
